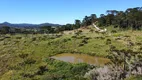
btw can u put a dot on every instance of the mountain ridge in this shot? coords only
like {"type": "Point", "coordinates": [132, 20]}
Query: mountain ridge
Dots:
{"type": "Point", "coordinates": [27, 25]}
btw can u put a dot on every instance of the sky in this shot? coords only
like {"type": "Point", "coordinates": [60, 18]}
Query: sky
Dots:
{"type": "Point", "coordinates": [58, 11]}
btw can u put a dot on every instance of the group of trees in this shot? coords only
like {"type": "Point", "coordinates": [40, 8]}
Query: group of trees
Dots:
{"type": "Point", "coordinates": [87, 20]}
{"type": "Point", "coordinates": [128, 19]}
{"type": "Point", "coordinates": [131, 18]}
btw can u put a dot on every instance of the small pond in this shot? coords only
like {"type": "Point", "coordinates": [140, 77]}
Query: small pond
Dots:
{"type": "Point", "coordinates": [81, 58]}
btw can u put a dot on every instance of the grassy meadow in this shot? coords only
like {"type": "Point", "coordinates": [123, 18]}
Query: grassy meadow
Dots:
{"type": "Point", "coordinates": [27, 57]}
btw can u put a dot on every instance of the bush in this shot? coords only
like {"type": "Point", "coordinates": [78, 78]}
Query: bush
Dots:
{"type": "Point", "coordinates": [65, 40]}
{"type": "Point", "coordinates": [127, 36]}
{"type": "Point", "coordinates": [108, 41]}
{"type": "Point", "coordinates": [18, 37]}
{"type": "Point", "coordinates": [27, 75]}
{"type": "Point", "coordinates": [112, 47]}
{"type": "Point", "coordinates": [91, 30]}
{"type": "Point", "coordinates": [64, 71]}
{"type": "Point", "coordinates": [84, 41]}
{"type": "Point", "coordinates": [29, 61]}
{"type": "Point", "coordinates": [138, 43]}
{"type": "Point", "coordinates": [82, 37]}
{"type": "Point", "coordinates": [34, 39]}
{"type": "Point", "coordinates": [1, 39]}
{"type": "Point", "coordinates": [87, 38]}
{"type": "Point", "coordinates": [58, 36]}
{"type": "Point", "coordinates": [81, 44]}
{"type": "Point", "coordinates": [41, 70]}
{"type": "Point", "coordinates": [140, 48]}
{"type": "Point", "coordinates": [23, 55]}
{"type": "Point", "coordinates": [74, 36]}
{"type": "Point", "coordinates": [79, 68]}
{"type": "Point", "coordinates": [7, 37]}
{"type": "Point", "coordinates": [53, 77]}
{"type": "Point", "coordinates": [78, 32]}
{"type": "Point", "coordinates": [102, 38]}
{"type": "Point", "coordinates": [113, 31]}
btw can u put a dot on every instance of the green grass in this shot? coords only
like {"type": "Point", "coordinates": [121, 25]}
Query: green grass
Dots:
{"type": "Point", "coordinates": [134, 78]}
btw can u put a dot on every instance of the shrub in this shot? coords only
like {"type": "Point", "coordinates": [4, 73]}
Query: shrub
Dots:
{"type": "Point", "coordinates": [118, 38]}
{"type": "Point", "coordinates": [18, 37]}
{"type": "Point", "coordinates": [58, 36]}
{"type": "Point", "coordinates": [84, 41]}
{"type": "Point", "coordinates": [29, 61]}
{"type": "Point", "coordinates": [65, 40]}
{"type": "Point", "coordinates": [80, 68]}
{"type": "Point", "coordinates": [108, 41]}
{"type": "Point", "coordinates": [27, 75]}
{"type": "Point", "coordinates": [138, 43]}
{"type": "Point", "coordinates": [1, 39]}
{"type": "Point", "coordinates": [41, 70]}
{"type": "Point", "coordinates": [91, 30]}
{"type": "Point", "coordinates": [23, 55]}
{"type": "Point", "coordinates": [53, 77]}
{"type": "Point", "coordinates": [82, 37]}
{"type": "Point", "coordinates": [34, 39]}
{"type": "Point", "coordinates": [87, 38]}
{"type": "Point", "coordinates": [102, 38]}
{"type": "Point", "coordinates": [7, 37]}
{"type": "Point", "coordinates": [127, 36]}
{"type": "Point", "coordinates": [113, 31]}
{"type": "Point", "coordinates": [78, 32]}
{"type": "Point", "coordinates": [140, 48]}
{"type": "Point", "coordinates": [112, 47]}
{"type": "Point", "coordinates": [74, 36]}
{"type": "Point", "coordinates": [81, 44]}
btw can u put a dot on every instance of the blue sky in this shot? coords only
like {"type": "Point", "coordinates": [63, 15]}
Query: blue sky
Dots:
{"type": "Point", "coordinates": [58, 11]}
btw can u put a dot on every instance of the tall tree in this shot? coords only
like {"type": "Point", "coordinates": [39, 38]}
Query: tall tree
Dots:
{"type": "Point", "coordinates": [86, 21]}
{"type": "Point", "coordinates": [93, 18]}
{"type": "Point", "coordinates": [77, 24]}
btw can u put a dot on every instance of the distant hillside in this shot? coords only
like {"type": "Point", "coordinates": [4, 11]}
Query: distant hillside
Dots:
{"type": "Point", "coordinates": [25, 25]}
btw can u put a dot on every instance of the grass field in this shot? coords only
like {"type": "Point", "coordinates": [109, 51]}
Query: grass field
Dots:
{"type": "Point", "coordinates": [27, 57]}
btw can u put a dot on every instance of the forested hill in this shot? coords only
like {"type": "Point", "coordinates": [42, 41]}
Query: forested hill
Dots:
{"type": "Point", "coordinates": [26, 25]}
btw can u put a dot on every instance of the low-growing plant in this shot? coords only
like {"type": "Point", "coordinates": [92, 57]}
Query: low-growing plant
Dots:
{"type": "Point", "coordinates": [81, 44]}
{"type": "Point", "coordinates": [42, 69]}
{"type": "Point", "coordinates": [74, 36]}
{"type": "Point", "coordinates": [23, 56]}
{"type": "Point", "coordinates": [108, 41]}
{"type": "Point", "coordinates": [18, 37]}
{"type": "Point", "coordinates": [34, 39]}
{"type": "Point", "coordinates": [84, 41]}
{"type": "Point", "coordinates": [29, 61]}
{"type": "Point", "coordinates": [113, 31]}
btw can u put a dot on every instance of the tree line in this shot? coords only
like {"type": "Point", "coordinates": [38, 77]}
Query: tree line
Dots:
{"type": "Point", "coordinates": [131, 18]}
{"type": "Point", "coordinates": [128, 19]}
